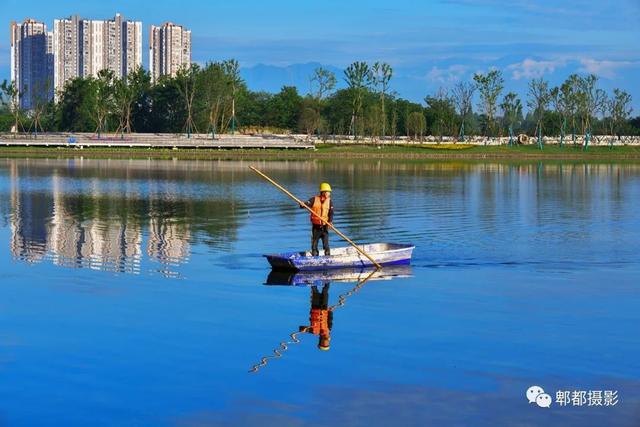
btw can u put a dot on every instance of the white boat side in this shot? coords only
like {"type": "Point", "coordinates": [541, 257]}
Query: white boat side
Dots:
{"type": "Point", "coordinates": [383, 253]}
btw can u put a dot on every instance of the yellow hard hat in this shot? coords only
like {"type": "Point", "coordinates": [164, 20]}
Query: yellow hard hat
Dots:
{"type": "Point", "coordinates": [325, 187]}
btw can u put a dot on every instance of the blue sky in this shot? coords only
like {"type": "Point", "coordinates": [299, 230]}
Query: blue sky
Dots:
{"type": "Point", "coordinates": [429, 43]}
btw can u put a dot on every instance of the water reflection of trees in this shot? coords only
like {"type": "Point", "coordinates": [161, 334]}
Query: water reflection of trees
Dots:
{"type": "Point", "coordinates": [114, 211]}
{"type": "Point", "coordinates": [492, 198]}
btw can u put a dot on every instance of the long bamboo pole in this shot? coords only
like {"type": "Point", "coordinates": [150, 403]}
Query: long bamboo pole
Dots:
{"type": "Point", "coordinates": [301, 203]}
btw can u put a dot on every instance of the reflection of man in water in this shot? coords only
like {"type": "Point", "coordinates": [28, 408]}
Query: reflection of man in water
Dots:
{"type": "Point", "coordinates": [320, 317]}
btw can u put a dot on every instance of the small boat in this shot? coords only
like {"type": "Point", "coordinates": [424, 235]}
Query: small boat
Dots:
{"type": "Point", "coordinates": [347, 275]}
{"type": "Point", "coordinates": [345, 257]}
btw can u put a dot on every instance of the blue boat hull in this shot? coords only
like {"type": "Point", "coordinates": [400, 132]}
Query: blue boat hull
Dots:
{"type": "Point", "coordinates": [347, 257]}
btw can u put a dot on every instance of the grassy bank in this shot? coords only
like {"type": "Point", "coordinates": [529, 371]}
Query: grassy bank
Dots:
{"type": "Point", "coordinates": [491, 151]}
{"type": "Point", "coordinates": [353, 151]}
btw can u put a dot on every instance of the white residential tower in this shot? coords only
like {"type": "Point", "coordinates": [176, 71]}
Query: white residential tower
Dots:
{"type": "Point", "coordinates": [169, 50]}
{"type": "Point", "coordinates": [31, 62]}
{"type": "Point", "coordinates": [83, 47]}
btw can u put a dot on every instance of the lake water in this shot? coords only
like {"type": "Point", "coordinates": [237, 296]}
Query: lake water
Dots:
{"type": "Point", "coordinates": [133, 292]}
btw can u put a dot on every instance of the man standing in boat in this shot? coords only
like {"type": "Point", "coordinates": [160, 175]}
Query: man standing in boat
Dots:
{"type": "Point", "coordinates": [322, 208]}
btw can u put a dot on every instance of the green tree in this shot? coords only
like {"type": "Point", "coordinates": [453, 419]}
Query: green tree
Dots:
{"type": "Point", "coordinates": [401, 109]}
{"type": "Point", "coordinates": [167, 113]}
{"type": "Point", "coordinates": [123, 101]}
{"type": "Point", "coordinates": [232, 71]}
{"type": "Point", "coordinates": [443, 113]}
{"type": "Point", "coordinates": [620, 110]}
{"type": "Point", "coordinates": [511, 113]}
{"type": "Point", "coordinates": [568, 104]}
{"type": "Point", "coordinates": [337, 108]}
{"type": "Point", "coordinates": [11, 96]}
{"type": "Point", "coordinates": [310, 118]}
{"type": "Point", "coordinates": [129, 95]}
{"type": "Point", "coordinates": [104, 99]}
{"type": "Point", "coordinates": [41, 103]}
{"type": "Point", "coordinates": [416, 125]}
{"type": "Point", "coordinates": [490, 86]}
{"type": "Point", "coordinates": [462, 96]}
{"type": "Point", "coordinates": [77, 105]}
{"type": "Point", "coordinates": [633, 126]}
{"type": "Point", "coordinates": [589, 100]}
{"type": "Point", "coordinates": [139, 82]}
{"type": "Point", "coordinates": [322, 83]}
{"type": "Point", "coordinates": [252, 107]}
{"type": "Point", "coordinates": [284, 107]}
{"type": "Point", "coordinates": [186, 79]}
{"type": "Point", "coordinates": [538, 102]}
{"type": "Point", "coordinates": [381, 74]}
{"type": "Point", "coordinates": [215, 89]}
{"type": "Point", "coordinates": [357, 76]}
{"type": "Point", "coordinates": [564, 100]}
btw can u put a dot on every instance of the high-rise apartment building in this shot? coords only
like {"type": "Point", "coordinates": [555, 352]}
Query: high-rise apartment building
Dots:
{"type": "Point", "coordinates": [83, 47]}
{"type": "Point", "coordinates": [31, 62]}
{"type": "Point", "coordinates": [169, 49]}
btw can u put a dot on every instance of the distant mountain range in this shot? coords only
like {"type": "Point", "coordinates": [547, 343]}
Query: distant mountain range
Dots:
{"type": "Point", "coordinates": [271, 78]}
{"type": "Point", "coordinates": [415, 82]}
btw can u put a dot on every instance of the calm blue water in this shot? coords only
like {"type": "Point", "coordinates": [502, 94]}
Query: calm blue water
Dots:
{"type": "Point", "coordinates": [132, 292]}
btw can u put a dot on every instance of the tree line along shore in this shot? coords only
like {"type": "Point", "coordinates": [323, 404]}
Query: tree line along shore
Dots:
{"type": "Point", "coordinates": [213, 99]}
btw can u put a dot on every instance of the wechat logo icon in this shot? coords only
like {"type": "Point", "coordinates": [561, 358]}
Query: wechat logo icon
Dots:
{"type": "Point", "coordinates": [535, 394]}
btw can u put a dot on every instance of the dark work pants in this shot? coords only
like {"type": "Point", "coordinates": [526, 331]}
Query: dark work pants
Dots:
{"type": "Point", "coordinates": [320, 232]}
{"type": "Point", "coordinates": [320, 300]}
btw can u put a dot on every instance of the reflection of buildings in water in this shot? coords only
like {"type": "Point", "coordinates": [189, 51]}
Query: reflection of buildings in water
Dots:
{"type": "Point", "coordinates": [116, 243]}
{"type": "Point", "coordinates": [89, 230]}
{"type": "Point", "coordinates": [30, 212]}
{"type": "Point", "coordinates": [97, 244]}
{"type": "Point", "coordinates": [168, 242]}
{"type": "Point", "coordinates": [43, 226]}
{"type": "Point", "coordinates": [29, 216]}
{"type": "Point", "coordinates": [111, 245]}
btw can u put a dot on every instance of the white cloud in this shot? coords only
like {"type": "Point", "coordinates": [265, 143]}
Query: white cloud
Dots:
{"type": "Point", "coordinates": [604, 68]}
{"type": "Point", "coordinates": [451, 74]}
{"type": "Point", "coordinates": [532, 69]}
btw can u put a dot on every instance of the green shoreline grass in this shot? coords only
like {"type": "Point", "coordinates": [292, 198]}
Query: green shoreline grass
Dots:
{"type": "Point", "coordinates": [352, 151]}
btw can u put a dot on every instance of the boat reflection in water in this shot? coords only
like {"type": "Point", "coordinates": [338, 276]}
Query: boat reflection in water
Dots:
{"type": "Point", "coordinates": [321, 313]}
{"type": "Point", "coordinates": [306, 278]}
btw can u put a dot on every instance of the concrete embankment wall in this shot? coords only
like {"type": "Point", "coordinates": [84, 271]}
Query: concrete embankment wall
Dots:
{"type": "Point", "coordinates": [167, 141]}
{"type": "Point", "coordinates": [268, 141]}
